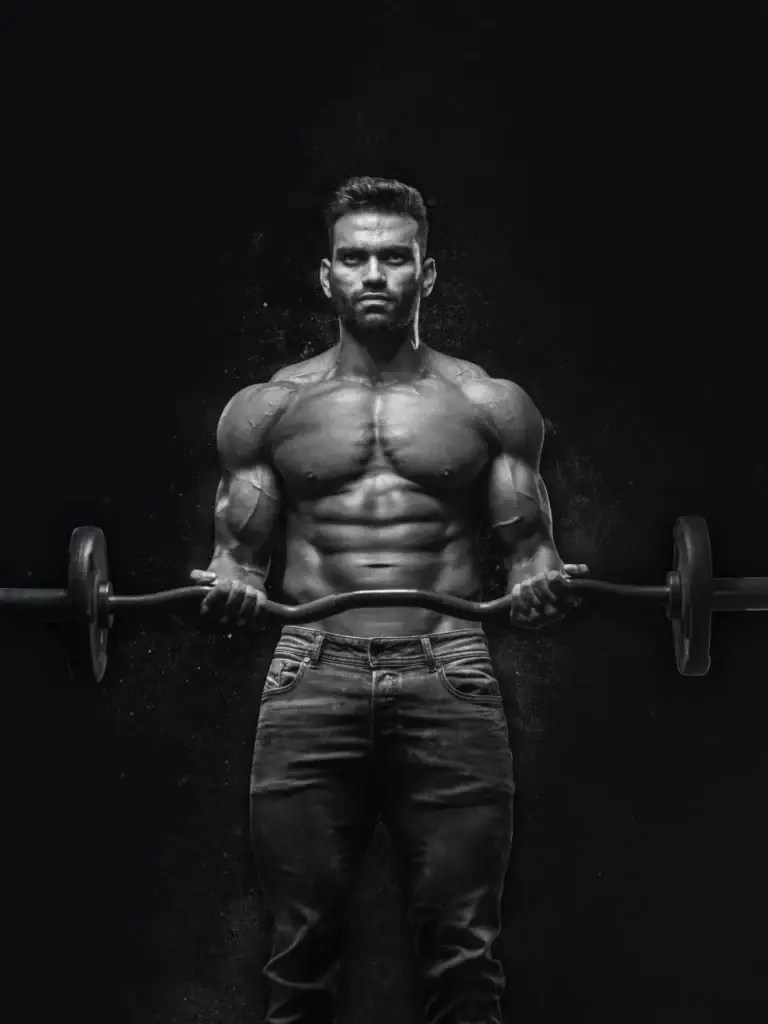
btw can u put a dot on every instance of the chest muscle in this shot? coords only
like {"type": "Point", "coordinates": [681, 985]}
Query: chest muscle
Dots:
{"type": "Point", "coordinates": [339, 431]}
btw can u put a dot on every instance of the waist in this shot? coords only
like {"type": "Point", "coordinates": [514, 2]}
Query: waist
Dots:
{"type": "Point", "coordinates": [380, 651]}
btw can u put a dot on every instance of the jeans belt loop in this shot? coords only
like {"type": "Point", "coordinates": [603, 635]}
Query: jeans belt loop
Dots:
{"type": "Point", "coordinates": [317, 648]}
{"type": "Point", "coordinates": [429, 654]}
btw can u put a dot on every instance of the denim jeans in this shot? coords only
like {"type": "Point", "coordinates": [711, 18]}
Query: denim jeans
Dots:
{"type": "Point", "coordinates": [408, 729]}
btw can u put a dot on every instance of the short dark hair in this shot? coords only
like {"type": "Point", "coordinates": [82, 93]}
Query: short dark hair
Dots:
{"type": "Point", "coordinates": [385, 195]}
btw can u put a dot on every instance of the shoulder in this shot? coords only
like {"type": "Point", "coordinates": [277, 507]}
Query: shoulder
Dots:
{"type": "Point", "coordinates": [510, 415]}
{"type": "Point", "coordinates": [247, 417]}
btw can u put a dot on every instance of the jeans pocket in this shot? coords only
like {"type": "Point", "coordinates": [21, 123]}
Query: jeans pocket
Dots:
{"type": "Point", "coordinates": [283, 675]}
{"type": "Point", "coordinates": [470, 677]}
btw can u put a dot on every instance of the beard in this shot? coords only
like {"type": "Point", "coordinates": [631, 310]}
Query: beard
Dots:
{"type": "Point", "coordinates": [383, 324]}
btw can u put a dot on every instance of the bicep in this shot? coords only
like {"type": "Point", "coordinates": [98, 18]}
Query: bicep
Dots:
{"type": "Point", "coordinates": [247, 509]}
{"type": "Point", "coordinates": [518, 503]}
{"type": "Point", "coordinates": [248, 498]}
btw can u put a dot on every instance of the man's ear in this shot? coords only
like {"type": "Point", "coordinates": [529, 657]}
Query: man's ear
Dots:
{"type": "Point", "coordinates": [428, 277]}
{"type": "Point", "coordinates": [325, 273]}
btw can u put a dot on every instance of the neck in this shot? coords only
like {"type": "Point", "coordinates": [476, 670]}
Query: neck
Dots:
{"type": "Point", "coordinates": [380, 357]}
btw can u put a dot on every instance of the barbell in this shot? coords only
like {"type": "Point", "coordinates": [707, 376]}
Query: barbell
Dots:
{"type": "Point", "coordinates": [689, 596]}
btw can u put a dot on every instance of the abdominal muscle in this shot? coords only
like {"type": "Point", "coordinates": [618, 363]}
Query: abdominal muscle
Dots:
{"type": "Point", "coordinates": [334, 555]}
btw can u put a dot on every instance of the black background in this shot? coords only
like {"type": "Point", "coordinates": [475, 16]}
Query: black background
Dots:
{"type": "Point", "coordinates": [595, 179]}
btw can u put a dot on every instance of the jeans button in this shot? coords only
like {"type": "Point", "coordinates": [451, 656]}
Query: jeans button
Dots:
{"type": "Point", "coordinates": [306, 661]}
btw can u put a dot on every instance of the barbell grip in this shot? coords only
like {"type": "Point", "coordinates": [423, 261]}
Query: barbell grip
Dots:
{"type": "Point", "coordinates": [329, 605]}
{"type": "Point", "coordinates": [655, 594]}
{"type": "Point", "coordinates": [373, 598]}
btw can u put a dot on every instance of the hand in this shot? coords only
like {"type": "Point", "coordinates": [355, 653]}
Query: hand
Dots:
{"type": "Point", "coordinates": [544, 599]}
{"type": "Point", "coordinates": [232, 600]}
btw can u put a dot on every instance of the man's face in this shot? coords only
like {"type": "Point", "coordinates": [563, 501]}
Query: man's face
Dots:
{"type": "Point", "coordinates": [376, 277]}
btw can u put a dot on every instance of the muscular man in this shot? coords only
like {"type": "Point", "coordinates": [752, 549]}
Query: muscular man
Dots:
{"type": "Point", "coordinates": [384, 457]}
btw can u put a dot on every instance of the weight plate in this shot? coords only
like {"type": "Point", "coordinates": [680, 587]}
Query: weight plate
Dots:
{"type": "Point", "coordinates": [88, 571]}
{"type": "Point", "coordinates": [692, 621]}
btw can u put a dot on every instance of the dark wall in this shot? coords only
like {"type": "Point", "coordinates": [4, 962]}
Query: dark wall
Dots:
{"type": "Point", "coordinates": [594, 175]}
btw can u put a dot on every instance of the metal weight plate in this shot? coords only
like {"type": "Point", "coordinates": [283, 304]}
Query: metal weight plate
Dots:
{"type": "Point", "coordinates": [692, 616]}
{"type": "Point", "coordinates": [88, 572]}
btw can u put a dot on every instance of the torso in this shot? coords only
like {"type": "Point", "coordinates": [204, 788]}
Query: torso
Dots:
{"type": "Point", "coordinates": [383, 487]}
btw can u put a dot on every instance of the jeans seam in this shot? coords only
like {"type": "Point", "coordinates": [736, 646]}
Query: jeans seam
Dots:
{"type": "Point", "coordinates": [371, 713]}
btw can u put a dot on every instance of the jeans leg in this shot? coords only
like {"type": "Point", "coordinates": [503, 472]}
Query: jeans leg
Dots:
{"type": "Point", "coordinates": [312, 818]}
{"type": "Point", "coordinates": [448, 807]}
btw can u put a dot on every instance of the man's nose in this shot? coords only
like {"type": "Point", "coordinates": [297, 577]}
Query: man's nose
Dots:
{"type": "Point", "coordinates": [373, 272]}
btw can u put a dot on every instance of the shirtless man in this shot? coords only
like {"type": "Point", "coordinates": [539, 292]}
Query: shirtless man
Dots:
{"type": "Point", "coordinates": [384, 457]}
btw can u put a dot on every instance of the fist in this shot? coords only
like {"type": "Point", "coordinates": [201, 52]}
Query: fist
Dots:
{"type": "Point", "coordinates": [234, 602]}
{"type": "Point", "coordinates": [545, 598]}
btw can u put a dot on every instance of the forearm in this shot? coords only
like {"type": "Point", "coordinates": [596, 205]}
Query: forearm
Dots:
{"type": "Point", "coordinates": [228, 566]}
{"type": "Point", "coordinates": [531, 559]}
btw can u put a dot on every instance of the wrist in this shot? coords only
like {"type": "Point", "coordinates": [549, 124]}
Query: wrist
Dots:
{"type": "Point", "coordinates": [237, 574]}
{"type": "Point", "coordinates": [522, 571]}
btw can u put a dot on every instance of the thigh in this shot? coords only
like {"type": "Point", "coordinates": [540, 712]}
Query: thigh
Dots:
{"type": "Point", "coordinates": [311, 797]}
{"type": "Point", "coordinates": [442, 740]}
{"type": "Point", "coordinates": [447, 776]}
{"type": "Point", "coordinates": [451, 856]}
